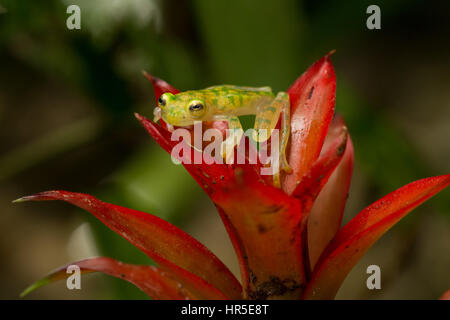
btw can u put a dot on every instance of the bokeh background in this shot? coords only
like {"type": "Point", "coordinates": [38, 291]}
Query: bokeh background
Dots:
{"type": "Point", "coordinates": [67, 99]}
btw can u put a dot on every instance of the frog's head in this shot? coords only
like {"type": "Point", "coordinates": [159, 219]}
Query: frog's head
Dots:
{"type": "Point", "coordinates": [180, 109]}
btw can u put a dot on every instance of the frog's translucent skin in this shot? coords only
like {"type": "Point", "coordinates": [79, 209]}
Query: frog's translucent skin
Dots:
{"type": "Point", "coordinates": [226, 103]}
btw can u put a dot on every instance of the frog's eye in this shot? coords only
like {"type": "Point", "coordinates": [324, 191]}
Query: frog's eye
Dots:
{"type": "Point", "coordinates": [196, 108]}
{"type": "Point", "coordinates": [162, 100]}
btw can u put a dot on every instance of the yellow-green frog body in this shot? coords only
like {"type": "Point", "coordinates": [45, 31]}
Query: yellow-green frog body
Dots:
{"type": "Point", "coordinates": [226, 103]}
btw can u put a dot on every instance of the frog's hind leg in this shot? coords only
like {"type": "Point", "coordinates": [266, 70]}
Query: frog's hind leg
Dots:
{"type": "Point", "coordinates": [266, 120]}
{"type": "Point", "coordinates": [233, 139]}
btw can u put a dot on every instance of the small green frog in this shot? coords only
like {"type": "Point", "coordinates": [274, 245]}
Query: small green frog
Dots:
{"type": "Point", "coordinates": [226, 103]}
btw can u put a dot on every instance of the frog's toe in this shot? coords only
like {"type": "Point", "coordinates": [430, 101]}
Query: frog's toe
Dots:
{"type": "Point", "coordinates": [284, 164]}
{"type": "Point", "coordinates": [226, 153]}
{"type": "Point", "coordinates": [276, 180]}
{"type": "Point", "coordinates": [286, 167]}
{"type": "Point", "coordinates": [156, 114]}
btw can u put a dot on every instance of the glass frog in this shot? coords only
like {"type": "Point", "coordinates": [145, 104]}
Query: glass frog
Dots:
{"type": "Point", "coordinates": [227, 103]}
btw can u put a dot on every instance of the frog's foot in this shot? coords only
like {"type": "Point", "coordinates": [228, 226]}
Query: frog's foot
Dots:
{"type": "Point", "coordinates": [170, 127]}
{"type": "Point", "coordinates": [276, 168]}
{"type": "Point", "coordinates": [156, 114]}
{"type": "Point", "coordinates": [227, 147]}
{"type": "Point", "coordinates": [227, 153]}
{"type": "Point", "coordinates": [276, 180]}
{"type": "Point", "coordinates": [284, 165]}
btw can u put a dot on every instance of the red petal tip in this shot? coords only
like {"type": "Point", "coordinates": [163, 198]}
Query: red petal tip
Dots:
{"type": "Point", "coordinates": [138, 116]}
{"type": "Point", "coordinates": [33, 197]}
{"type": "Point", "coordinates": [160, 86]}
{"type": "Point", "coordinates": [312, 98]}
{"type": "Point", "coordinates": [327, 56]}
{"type": "Point", "coordinates": [145, 74]}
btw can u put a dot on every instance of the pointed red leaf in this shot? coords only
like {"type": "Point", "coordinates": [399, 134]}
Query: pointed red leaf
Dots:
{"type": "Point", "coordinates": [326, 214]}
{"type": "Point", "coordinates": [156, 283]}
{"type": "Point", "coordinates": [167, 245]}
{"type": "Point", "coordinates": [312, 99]}
{"type": "Point", "coordinates": [160, 86]}
{"type": "Point", "coordinates": [160, 135]}
{"type": "Point", "coordinates": [357, 236]}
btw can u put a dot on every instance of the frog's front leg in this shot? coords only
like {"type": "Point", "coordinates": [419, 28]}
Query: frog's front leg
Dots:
{"type": "Point", "coordinates": [266, 120]}
{"type": "Point", "coordinates": [233, 139]}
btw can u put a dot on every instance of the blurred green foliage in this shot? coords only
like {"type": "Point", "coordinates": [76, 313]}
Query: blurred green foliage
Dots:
{"type": "Point", "coordinates": [192, 44]}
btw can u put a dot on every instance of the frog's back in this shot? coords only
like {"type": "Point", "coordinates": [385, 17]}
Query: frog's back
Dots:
{"type": "Point", "coordinates": [234, 100]}
{"type": "Point", "coordinates": [241, 89]}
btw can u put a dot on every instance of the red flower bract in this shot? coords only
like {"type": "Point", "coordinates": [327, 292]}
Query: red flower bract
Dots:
{"type": "Point", "coordinates": [288, 241]}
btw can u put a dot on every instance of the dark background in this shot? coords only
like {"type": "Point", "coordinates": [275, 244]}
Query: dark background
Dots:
{"type": "Point", "coordinates": [67, 99]}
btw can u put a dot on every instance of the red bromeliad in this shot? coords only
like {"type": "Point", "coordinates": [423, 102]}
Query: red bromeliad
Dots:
{"type": "Point", "coordinates": [288, 241]}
